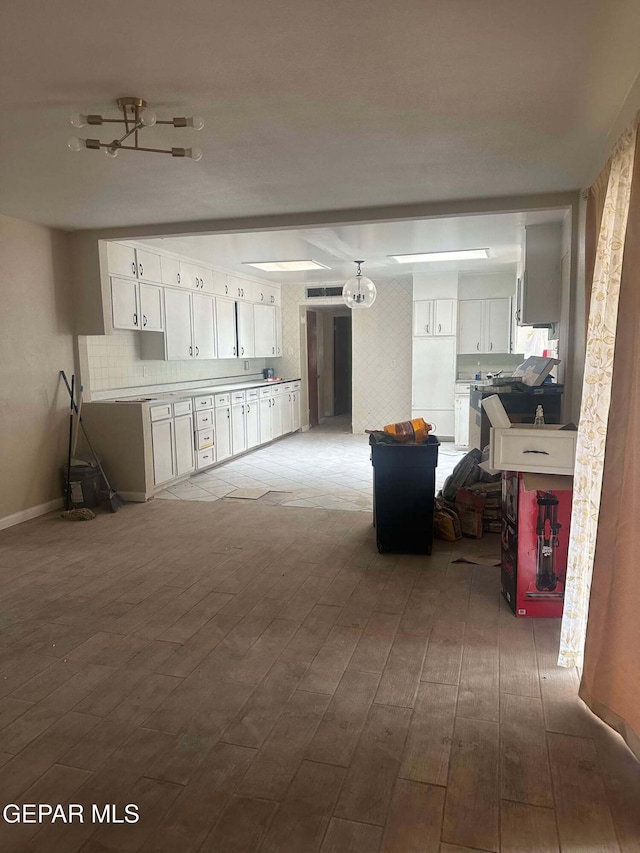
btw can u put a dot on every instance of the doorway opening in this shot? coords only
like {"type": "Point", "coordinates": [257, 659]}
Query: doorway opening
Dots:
{"type": "Point", "coordinates": [329, 366]}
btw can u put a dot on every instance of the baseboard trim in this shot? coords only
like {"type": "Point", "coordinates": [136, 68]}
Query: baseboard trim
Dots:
{"type": "Point", "coordinates": [135, 497]}
{"type": "Point", "coordinates": [31, 512]}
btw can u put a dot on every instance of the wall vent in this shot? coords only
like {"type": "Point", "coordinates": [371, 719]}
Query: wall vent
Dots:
{"type": "Point", "coordinates": [318, 292]}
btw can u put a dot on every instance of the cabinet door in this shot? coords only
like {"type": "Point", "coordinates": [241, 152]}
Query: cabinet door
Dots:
{"type": "Point", "coordinates": [264, 317]}
{"type": "Point", "coordinates": [246, 330]}
{"type": "Point", "coordinates": [170, 271]}
{"type": "Point", "coordinates": [444, 319]}
{"type": "Point", "coordinates": [226, 328]}
{"type": "Point", "coordinates": [423, 317]}
{"type": "Point", "coordinates": [151, 307]}
{"type": "Point", "coordinates": [148, 266]}
{"type": "Point", "coordinates": [434, 371]}
{"type": "Point", "coordinates": [266, 433]}
{"type": "Point", "coordinates": [238, 436]}
{"type": "Point", "coordinates": [252, 423]}
{"type": "Point", "coordinates": [470, 326]}
{"type": "Point", "coordinates": [162, 448]}
{"type": "Point", "coordinates": [498, 324]}
{"type": "Point", "coordinates": [204, 343]}
{"type": "Point", "coordinates": [277, 404]}
{"type": "Point", "coordinates": [185, 457]}
{"type": "Point", "coordinates": [462, 420]}
{"type": "Point", "coordinates": [121, 260]}
{"type": "Point", "coordinates": [222, 433]}
{"type": "Point", "coordinates": [177, 320]}
{"type": "Point", "coordinates": [287, 415]}
{"type": "Point", "coordinates": [124, 303]}
{"type": "Point", "coordinates": [279, 347]}
{"type": "Point", "coordinates": [295, 411]}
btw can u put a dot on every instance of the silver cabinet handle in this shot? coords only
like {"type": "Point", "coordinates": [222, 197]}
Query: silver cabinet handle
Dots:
{"type": "Point", "coordinates": [228, 413]}
{"type": "Point", "coordinates": [248, 408]}
{"type": "Point", "coordinates": [273, 350]}
{"type": "Point", "coordinates": [178, 278]}
{"type": "Point", "coordinates": [234, 350]}
{"type": "Point", "coordinates": [439, 327]}
{"type": "Point", "coordinates": [226, 288]}
{"type": "Point", "coordinates": [141, 268]}
{"type": "Point", "coordinates": [241, 350]}
{"type": "Point", "coordinates": [133, 267]}
{"type": "Point", "coordinates": [262, 297]}
{"type": "Point", "coordinates": [491, 345]}
{"type": "Point", "coordinates": [273, 299]}
{"type": "Point", "coordinates": [144, 319]}
{"type": "Point", "coordinates": [278, 350]}
{"type": "Point", "coordinates": [478, 346]}
{"type": "Point", "coordinates": [242, 291]}
{"type": "Point", "coordinates": [197, 350]}
{"type": "Point", "coordinates": [135, 319]}
{"type": "Point", "coordinates": [190, 350]}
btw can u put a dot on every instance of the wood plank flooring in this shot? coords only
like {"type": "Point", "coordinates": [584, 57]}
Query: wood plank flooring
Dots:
{"type": "Point", "coordinates": [258, 679]}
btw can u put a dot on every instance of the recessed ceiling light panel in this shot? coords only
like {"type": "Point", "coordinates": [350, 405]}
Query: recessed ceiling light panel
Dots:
{"type": "Point", "coordinates": [286, 266]}
{"type": "Point", "coordinates": [456, 255]}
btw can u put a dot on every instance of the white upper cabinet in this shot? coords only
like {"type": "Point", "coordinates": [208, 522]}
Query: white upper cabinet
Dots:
{"type": "Point", "coordinates": [264, 330]}
{"type": "Point", "coordinates": [246, 330]}
{"type": "Point", "coordinates": [195, 277]}
{"type": "Point", "coordinates": [178, 337]}
{"type": "Point", "coordinates": [226, 328]}
{"type": "Point", "coordinates": [498, 324]}
{"type": "Point", "coordinates": [124, 303]}
{"type": "Point", "coordinates": [540, 284]}
{"type": "Point", "coordinates": [148, 266]}
{"type": "Point", "coordinates": [152, 315]}
{"type": "Point", "coordinates": [470, 326]}
{"type": "Point", "coordinates": [204, 344]}
{"type": "Point", "coordinates": [434, 317]}
{"type": "Point", "coordinates": [170, 270]}
{"type": "Point", "coordinates": [126, 261]}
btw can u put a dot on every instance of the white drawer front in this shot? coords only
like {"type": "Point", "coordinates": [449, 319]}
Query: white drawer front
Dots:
{"type": "Point", "coordinates": [204, 439]}
{"type": "Point", "coordinates": [296, 386]}
{"type": "Point", "coordinates": [221, 400]}
{"type": "Point", "coordinates": [185, 407]}
{"type": "Point", "coordinates": [206, 458]}
{"type": "Point", "coordinates": [203, 403]}
{"type": "Point", "coordinates": [204, 420]}
{"type": "Point", "coordinates": [287, 387]}
{"type": "Point", "coordinates": [237, 396]}
{"type": "Point", "coordinates": [252, 394]}
{"type": "Point", "coordinates": [541, 451]}
{"type": "Point", "coordinates": [277, 390]}
{"type": "Point", "coordinates": [160, 413]}
{"type": "Point", "coordinates": [266, 392]}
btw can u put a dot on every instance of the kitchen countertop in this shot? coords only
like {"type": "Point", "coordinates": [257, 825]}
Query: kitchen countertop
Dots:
{"type": "Point", "coordinates": [188, 393]}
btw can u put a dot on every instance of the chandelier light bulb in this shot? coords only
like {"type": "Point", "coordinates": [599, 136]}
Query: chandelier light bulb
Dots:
{"type": "Point", "coordinates": [75, 143]}
{"type": "Point", "coordinates": [111, 151]}
{"type": "Point", "coordinates": [196, 122]}
{"type": "Point", "coordinates": [194, 153]}
{"type": "Point", "coordinates": [79, 120]}
{"type": "Point", "coordinates": [147, 118]}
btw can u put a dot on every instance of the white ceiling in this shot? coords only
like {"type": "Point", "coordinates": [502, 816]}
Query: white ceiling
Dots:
{"type": "Point", "coordinates": [310, 104]}
{"type": "Point", "coordinates": [338, 247]}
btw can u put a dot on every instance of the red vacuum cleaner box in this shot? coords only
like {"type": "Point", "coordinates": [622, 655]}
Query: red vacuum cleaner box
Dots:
{"type": "Point", "coordinates": [536, 520]}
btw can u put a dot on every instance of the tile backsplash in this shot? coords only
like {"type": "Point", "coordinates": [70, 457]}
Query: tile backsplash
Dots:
{"type": "Point", "coordinates": [113, 363]}
{"type": "Point", "coordinates": [467, 365]}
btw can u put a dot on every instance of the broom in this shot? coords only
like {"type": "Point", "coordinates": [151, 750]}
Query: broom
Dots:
{"type": "Point", "coordinates": [113, 498]}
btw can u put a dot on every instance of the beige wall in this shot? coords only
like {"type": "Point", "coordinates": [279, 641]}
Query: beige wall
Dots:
{"type": "Point", "coordinates": [35, 343]}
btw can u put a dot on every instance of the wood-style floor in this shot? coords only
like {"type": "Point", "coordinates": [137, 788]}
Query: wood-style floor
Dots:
{"type": "Point", "coordinates": [259, 678]}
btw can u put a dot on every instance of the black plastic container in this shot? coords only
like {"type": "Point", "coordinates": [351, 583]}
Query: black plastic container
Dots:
{"type": "Point", "coordinates": [404, 487]}
{"type": "Point", "coordinates": [87, 486]}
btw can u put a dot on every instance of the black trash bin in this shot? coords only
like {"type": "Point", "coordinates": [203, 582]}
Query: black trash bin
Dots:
{"type": "Point", "coordinates": [404, 487]}
{"type": "Point", "coordinates": [86, 486]}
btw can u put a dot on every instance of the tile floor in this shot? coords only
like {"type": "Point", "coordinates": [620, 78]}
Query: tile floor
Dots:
{"type": "Point", "coordinates": [327, 467]}
{"type": "Point", "coordinates": [259, 678]}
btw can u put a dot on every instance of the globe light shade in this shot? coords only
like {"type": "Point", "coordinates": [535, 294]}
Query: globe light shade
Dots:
{"type": "Point", "coordinates": [196, 122]}
{"type": "Point", "coordinates": [78, 120]}
{"type": "Point", "coordinates": [359, 292]}
{"type": "Point", "coordinates": [194, 153]}
{"type": "Point", "coordinates": [75, 143]}
{"type": "Point", "coordinates": [147, 118]}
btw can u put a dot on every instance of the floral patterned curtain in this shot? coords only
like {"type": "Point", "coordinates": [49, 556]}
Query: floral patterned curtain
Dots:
{"type": "Point", "coordinates": [596, 399]}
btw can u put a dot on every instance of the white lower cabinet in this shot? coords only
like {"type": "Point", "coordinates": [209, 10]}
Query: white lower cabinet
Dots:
{"type": "Point", "coordinates": [266, 433]}
{"type": "Point", "coordinates": [238, 428]}
{"type": "Point", "coordinates": [277, 406]}
{"type": "Point", "coordinates": [296, 420]}
{"type": "Point", "coordinates": [183, 436]}
{"type": "Point", "coordinates": [162, 443]}
{"type": "Point", "coordinates": [222, 432]}
{"type": "Point", "coordinates": [252, 419]}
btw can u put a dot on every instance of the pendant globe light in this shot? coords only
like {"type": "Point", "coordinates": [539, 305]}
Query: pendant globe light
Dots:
{"type": "Point", "coordinates": [359, 291]}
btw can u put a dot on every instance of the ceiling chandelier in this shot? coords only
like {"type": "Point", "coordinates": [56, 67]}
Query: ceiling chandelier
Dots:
{"type": "Point", "coordinates": [359, 291]}
{"type": "Point", "coordinates": [136, 117]}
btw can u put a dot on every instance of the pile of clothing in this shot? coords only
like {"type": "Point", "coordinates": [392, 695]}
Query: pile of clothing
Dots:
{"type": "Point", "coordinates": [469, 503]}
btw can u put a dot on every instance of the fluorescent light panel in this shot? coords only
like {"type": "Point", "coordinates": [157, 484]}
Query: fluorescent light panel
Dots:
{"type": "Point", "coordinates": [286, 266]}
{"type": "Point", "coordinates": [457, 255]}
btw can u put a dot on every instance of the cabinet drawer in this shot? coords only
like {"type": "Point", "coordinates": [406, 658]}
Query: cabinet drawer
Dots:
{"type": "Point", "coordinates": [296, 386]}
{"type": "Point", "coordinates": [237, 396]}
{"type": "Point", "coordinates": [160, 413]}
{"type": "Point", "coordinates": [205, 458]}
{"type": "Point", "coordinates": [252, 394]}
{"type": "Point", "coordinates": [544, 451]}
{"type": "Point", "coordinates": [204, 420]}
{"type": "Point", "coordinates": [265, 392]}
{"type": "Point", "coordinates": [204, 438]}
{"type": "Point", "coordinates": [221, 400]}
{"type": "Point", "coordinates": [203, 403]}
{"type": "Point", "coordinates": [287, 388]}
{"type": "Point", "coordinates": [184, 407]}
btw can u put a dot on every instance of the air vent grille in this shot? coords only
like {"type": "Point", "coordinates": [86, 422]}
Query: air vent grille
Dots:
{"type": "Point", "coordinates": [316, 292]}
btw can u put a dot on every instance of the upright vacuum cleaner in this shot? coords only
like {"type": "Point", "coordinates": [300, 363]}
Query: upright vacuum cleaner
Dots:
{"type": "Point", "coordinates": [547, 584]}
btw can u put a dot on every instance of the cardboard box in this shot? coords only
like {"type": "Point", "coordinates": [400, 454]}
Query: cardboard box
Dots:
{"type": "Point", "coordinates": [536, 521]}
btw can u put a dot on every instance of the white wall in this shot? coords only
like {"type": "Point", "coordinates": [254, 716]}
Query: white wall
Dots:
{"type": "Point", "coordinates": [113, 362]}
{"type": "Point", "coordinates": [35, 344]}
{"type": "Point", "coordinates": [487, 285]}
